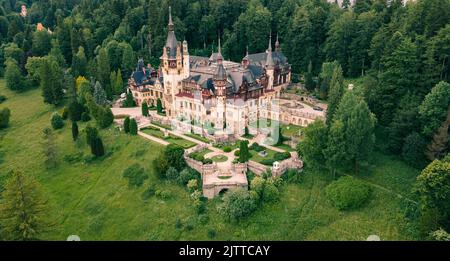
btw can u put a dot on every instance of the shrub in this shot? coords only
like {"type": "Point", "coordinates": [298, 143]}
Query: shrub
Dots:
{"type": "Point", "coordinates": [226, 149]}
{"type": "Point", "coordinates": [163, 194]}
{"type": "Point", "coordinates": [2, 98]}
{"type": "Point", "coordinates": [192, 185]}
{"type": "Point", "coordinates": [211, 233]}
{"type": "Point", "coordinates": [136, 175]}
{"type": "Point", "coordinates": [186, 175]}
{"type": "Point", "coordinates": [57, 121]}
{"type": "Point", "coordinates": [178, 224]}
{"type": "Point", "coordinates": [207, 161]}
{"type": "Point", "coordinates": [172, 174]}
{"type": "Point", "coordinates": [149, 192]}
{"type": "Point", "coordinates": [265, 189]}
{"type": "Point", "coordinates": [237, 153]}
{"type": "Point", "coordinates": [97, 148]}
{"type": "Point", "coordinates": [256, 147]}
{"type": "Point", "coordinates": [347, 193]}
{"type": "Point", "coordinates": [237, 204]}
{"type": "Point", "coordinates": [91, 134]}
{"type": "Point", "coordinates": [280, 156]}
{"type": "Point", "coordinates": [85, 117]}
{"type": "Point", "coordinates": [65, 113]}
{"type": "Point", "coordinates": [4, 117]}
{"type": "Point", "coordinates": [268, 162]}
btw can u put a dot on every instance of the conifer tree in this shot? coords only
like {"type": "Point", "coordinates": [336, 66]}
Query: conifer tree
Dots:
{"type": "Point", "coordinates": [51, 78]}
{"type": "Point", "coordinates": [144, 109]}
{"type": "Point", "coordinates": [99, 94]}
{"type": "Point", "coordinates": [74, 130]}
{"type": "Point", "coordinates": [126, 125]}
{"type": "Point", "coordinates": [336, 92]}
{"type": "Point", "coordinates": [133, 127]}
{"type": "Point", "coordinates": [23, 208]}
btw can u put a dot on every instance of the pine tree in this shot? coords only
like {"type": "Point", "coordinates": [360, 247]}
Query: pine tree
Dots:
{"type": "Point", "coordinates": [309, 82]}
{"type": "Point", "coordinates": [133, 127]}
{"type": "Point", "coordinates": [79, 63]}
{"type": "Point", "coordinates": [74, 130]}
{"type": "Point", "coordinates": [336, 92]}
{"type": "Point", "coordinates": [14, 78]}
{"type": "Point", "coordinates": [144, 109]}
{"type": "Point", "coordinates": [335, 150]}
{"type": "Point", "coordinates": [57, 54]}
{"type": "Point", "coordinates": [159, 105]}
{"type": "Point", "coordinates": [51, 81]}
{"type": "Point", "coordinates": [91, 134]}
{"type": "Point", "coordinates": [126, 125]}
{"type": "Point", "coordinates": [359, 123]}
{"type": "Point", "coordinates": [243, 151]}
{"type": "Point", "coordinates": [23, 208]}
{"type": "Point", "coordinates": [97, 148]}
{"type": "Point", "coordinates": [99, 94]}
{"type": "Point", "coordinates": [103, 67]}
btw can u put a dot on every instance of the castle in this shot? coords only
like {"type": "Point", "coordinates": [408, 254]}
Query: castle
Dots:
{"type": "Point", "coordinates": [212, 93]}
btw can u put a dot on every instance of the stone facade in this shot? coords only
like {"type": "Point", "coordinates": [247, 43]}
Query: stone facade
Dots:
{"type": "Point", "coordinates": [209, 92]}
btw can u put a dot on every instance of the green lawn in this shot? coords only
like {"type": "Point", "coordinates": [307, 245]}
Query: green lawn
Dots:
{"type": "Point", "coordinates": [291, 130]}
{"type": "Point", "coordinates": [186, 144]}
{"type": "Point", "coordinates": [93, 200]}
{"type": "Point", "coordinates": [219, 158]}
{"type": "Point", "coordinates": [153, 132]}
{"type": "Point", "coordinates": [256, 157]}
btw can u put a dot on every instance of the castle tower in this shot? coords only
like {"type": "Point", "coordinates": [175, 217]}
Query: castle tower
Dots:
{"type": "Point", "coordinates": [220, 85]}
{"type": "Point", "coordinates": [172, 67]}
{"type": "Point", "coordinates": [270, 65]}
{"type": "Point", "coordinates": [186, 65]}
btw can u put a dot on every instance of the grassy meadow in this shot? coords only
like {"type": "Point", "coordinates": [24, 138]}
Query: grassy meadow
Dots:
{"type": "Point", "coordinates": [90, 198]}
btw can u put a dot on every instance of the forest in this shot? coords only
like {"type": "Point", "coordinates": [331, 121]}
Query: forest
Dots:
{"type": "Point", "coordinates": [399, 54]}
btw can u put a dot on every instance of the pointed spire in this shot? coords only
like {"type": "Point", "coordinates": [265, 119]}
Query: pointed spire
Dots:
{"type": "Point", "coordinates": [219, 55]}
{"type": "Point", "coordinates": [277, 45]}
{"type": "Point", "coordinates": [269, 59]}
{"type": "Point", "coordinates": [170, 25]}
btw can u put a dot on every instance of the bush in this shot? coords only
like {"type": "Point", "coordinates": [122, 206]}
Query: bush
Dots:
{"type": "Point", "coordinates": [149, 192]}
{"type": "Point", "coordinates": [207, 161]}
{"type": "Point", "coordinates": [2, 98]}
{"type": "Point", "coordinates": [65, 113]}
{"type": "Point", "coordinates": [4, 117]}
{"type": "Point", "coordinates": [211, 233]}
{"type": "Point", "coordinates": [347, 193]}
{"type": "Point", "coordinates": [186, 175]}
{"type": "Point", "coordinates": [256, 147]}
{"type": "Point", "coordinates": [237, 153]}
{"type": "Point", "coordinates": [237, 204]}
{"type": "Point", "coordinates": [136, 175]}
{"type": "Point", "coordinates": [268, 162]}
{"type": "Point", "coordinates": [192, 185]}
{"type": "Point", "coordinates": [172, 174]}
{"type": "Point", "coordinates": [163, 194]}
{"type": "Point", "coordinates": [57, 121]}
{"type": "Point", "coordinates": [226, 149]}
{"type": "Point", "coordinates": [85, 117]}
{"type": "Point", "coordinates": [265, 189]}
{"type": "Point", "coordinates": [280, 156]}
